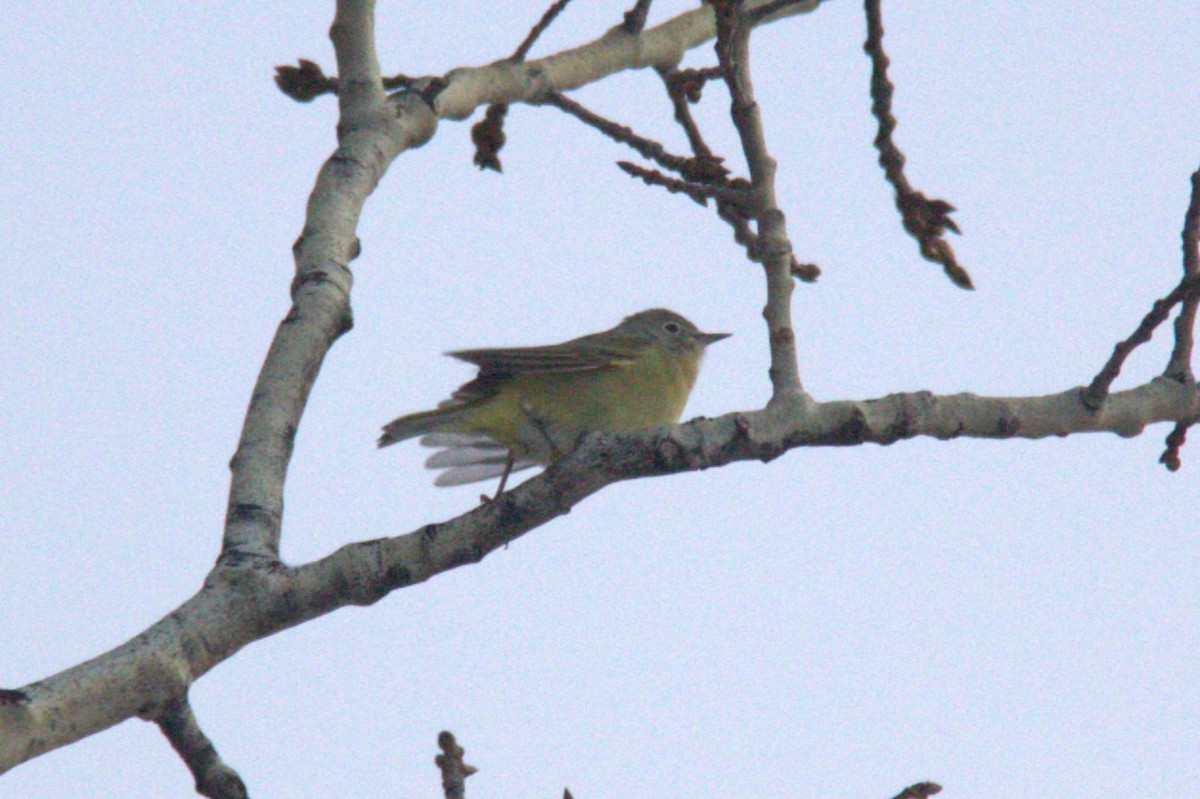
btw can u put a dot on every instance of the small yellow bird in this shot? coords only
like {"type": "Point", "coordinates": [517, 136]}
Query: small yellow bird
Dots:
{"type": "Point", "coordinates": [529, 406]}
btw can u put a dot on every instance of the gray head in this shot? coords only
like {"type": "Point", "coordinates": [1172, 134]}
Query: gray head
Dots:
{"type": "Point", "coordinates": [669, 329]}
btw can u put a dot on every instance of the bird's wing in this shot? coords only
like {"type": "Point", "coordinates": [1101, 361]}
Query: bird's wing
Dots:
{"type": "Point", "coordinates": [597, 351]}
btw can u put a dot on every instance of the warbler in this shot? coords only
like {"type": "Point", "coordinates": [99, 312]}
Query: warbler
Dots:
{"type": "Point", "coordinates": [529, 406]}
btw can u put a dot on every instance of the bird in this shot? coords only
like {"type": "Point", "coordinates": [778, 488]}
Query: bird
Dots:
{"type": "Point", "coordinates": [529, 406]}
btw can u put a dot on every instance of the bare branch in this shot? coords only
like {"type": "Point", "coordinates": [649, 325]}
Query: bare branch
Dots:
{"type": "Point", "coordinates": [684, 87]}
{"type": "Point", "coordinates": [647, 148]}
{"type": "Point", "coordinates": [772, 243]}
{"type": "Point", "coordinates": [1180, 365]}
{"type": "Point", "coordinates": [1186, 293]}
{"type": "Point", "coordinates": [699, 192]}
{"type": "Point", "coordinates": [398, 81]}
{"type": "Point", "coordinates": [321, 288]}
{"type": "Point", "coordinates": [538, 29]}
{"type": "Point", "coordinates": [213, 777]}
{"type": "Point", "coordinates": [1094, 395]}
{"type": "Point", "coordinates": [454, 770]}
{"type": "Point", "coordinates": [926, 220]}
{"type": "Point", "coordinates": [255, 599]}
{"type": "Point", "coordinates": [488, 134]}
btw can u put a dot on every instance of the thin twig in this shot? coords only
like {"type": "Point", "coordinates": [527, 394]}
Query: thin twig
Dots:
{"type": "Point", "coordinates": [684, 87]}
{"type": "Point", "coordinates": [635, 18]}
{"type": "Point", "coordinates": [1094, 394]}
{"type": "Point", "coordinates": [454, 770]}
{"type": "Point", "coordinates": [700, 192]}
{"type": "Point", "coordinates": [523, 49]}
{"type": "Point", "coordinates": [647, 148]}
{"type": "Point", "coordinates": [1180, 365]}
{"type": "Point", "coordinates": [488, 133]}
{"type": "Point", "coordinates": [744, 235]}
{"type": "Point", "coordinates": [926, 220]}
{"type": "Point", "coordinates": [213, 777]}
{"type": "Point", "coordinates": [1187, 294]}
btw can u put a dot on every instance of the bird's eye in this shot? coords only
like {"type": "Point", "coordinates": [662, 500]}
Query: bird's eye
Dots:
{"type": "Point", "coordinates": [671, 328]}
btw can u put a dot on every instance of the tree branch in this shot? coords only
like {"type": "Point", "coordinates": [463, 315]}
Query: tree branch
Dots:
{"type": "Point", "coordinates": [622, 134]}
{"type": "Point", "coordinates": [213, 777]}
{"type": "Point", "coordinates": [250, 594]}
{"type": "Point", "coordinates": [538, 29]}
{"type": "Point", "coordinates": [772, 243]}
{"type": "Point", "coordinates": [237, 606]}
{"type": "Point", "coordinates": [454, 770]}
{"type": "Point", "coordinates": [372, 133]}
{"type": "Point", "coordinates": [1180, 365]}
{"type": "Point", "coordinates": [1095, 393]}
{"type": "Point", "coordinates": [662, 47]}
{"type": "Point", "coordinates": [684, 87]}
{"type": "Point", "coordinates": [700, 193]}
{"type": "Point", "coordinates": [926, 220]}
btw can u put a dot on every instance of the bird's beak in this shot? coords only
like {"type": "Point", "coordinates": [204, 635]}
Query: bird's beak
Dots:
{"type": "Point", "coordinates": [710, 338]}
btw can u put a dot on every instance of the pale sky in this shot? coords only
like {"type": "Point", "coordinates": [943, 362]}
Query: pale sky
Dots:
{"type": "Point", "coordinates": [1008, 618]}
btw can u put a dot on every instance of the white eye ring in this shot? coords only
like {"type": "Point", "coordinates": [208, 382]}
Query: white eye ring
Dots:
{"type": "Point", "coordinates": [671, 327]}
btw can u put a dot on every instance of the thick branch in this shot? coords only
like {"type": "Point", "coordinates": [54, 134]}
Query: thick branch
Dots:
{"type": "Point", "coordinates": [237, 606]}
{"type": "Point", "coordinates": [371, 132]}
{"type": "Point", "coordinates": [662, 47]}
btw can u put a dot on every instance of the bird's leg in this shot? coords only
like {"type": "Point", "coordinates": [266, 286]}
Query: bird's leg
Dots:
{"type": "Point", "coordinates": [539, 424]}
{"type": "Point", "coordinates": [508, 464]}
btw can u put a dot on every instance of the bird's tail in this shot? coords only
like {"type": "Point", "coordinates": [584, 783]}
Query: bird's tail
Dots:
{"type": "Point", "coordinates": [419, 424]}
